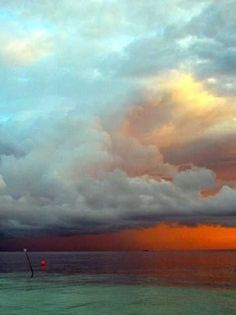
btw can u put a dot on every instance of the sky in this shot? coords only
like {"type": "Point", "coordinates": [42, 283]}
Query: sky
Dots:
{"type": "Point", "coordinates": [117, 123]}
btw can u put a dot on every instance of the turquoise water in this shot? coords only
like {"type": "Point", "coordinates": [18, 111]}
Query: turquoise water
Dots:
{"type": "Point", "coordinates": [93, 291]}
{"type": "Point", "coordinates": [66, 295]}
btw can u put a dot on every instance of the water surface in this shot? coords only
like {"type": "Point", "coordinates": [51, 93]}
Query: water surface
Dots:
{"type": "Point", "coordinates": [120, 283]}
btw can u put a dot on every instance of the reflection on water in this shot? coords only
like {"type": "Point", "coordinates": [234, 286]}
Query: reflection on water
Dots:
{"type": "Point", "coordinates": [194, 268]}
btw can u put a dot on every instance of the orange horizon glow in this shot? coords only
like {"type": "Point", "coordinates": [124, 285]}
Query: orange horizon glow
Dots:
{"type": "Point", "coordinates": [185, 237]}
{"type": "Point", "coordinates": [160, 237]}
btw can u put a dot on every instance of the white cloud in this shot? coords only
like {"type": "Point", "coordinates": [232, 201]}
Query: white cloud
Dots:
{"type": "Point", "coordinates": [26, 49]}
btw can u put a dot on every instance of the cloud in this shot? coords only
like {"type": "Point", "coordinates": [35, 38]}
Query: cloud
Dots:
{"type": "Point", "coordinates": [186, 122]}
{"type": "Point", "coordinates": [26, 50]}
{"type": "Point", "coordinates": [210, 39]}
{"type": "Point", "coordinates": [23, 42]}
{"type": "Point", "coordinates": [137, 159]}
{"type": "Point", "coordinates": [146, 56]}
{"type": "Point", "coordinates": [116, 201]}
{"type": "Point", "coordinates": [77, 177]}
{"type": "Point", "coordinates": [214, 152]}
{"type": "Point", "coordinates": [177, 111]}
{"type": "Point", "coordinates": [116, 114]}
{"type": "Point", "coordinates": [131, 16]}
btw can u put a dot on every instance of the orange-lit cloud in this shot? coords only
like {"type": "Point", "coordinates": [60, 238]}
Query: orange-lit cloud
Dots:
{"type": "Point", "coordinates": [185, 121]}
{"type": "Point", "coordinates": [179, 110]}
{"type": "Point", "coordinates": [138, 159]}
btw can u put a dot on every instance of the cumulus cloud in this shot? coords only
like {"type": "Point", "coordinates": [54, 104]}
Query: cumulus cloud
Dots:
{"type": "Point", "coordinates": [209, 39]}
{"type": "Point", "coordinates": [116, 114]}
{"type": "Point", "coordinates": [77, 177]}
{"type": "Point", "coordinates": [187, 122]}
{"type": "Point", "coordinates": [116, 201]}
{"type": "Point", "coordinates": [177, 111]}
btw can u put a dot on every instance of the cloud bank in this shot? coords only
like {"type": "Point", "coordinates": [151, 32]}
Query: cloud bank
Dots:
{"type": "Point", "coordinates": [75, 175]}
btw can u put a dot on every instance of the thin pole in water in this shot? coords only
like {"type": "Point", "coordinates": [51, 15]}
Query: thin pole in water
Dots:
{"type": "Point", "coordinates": [30, 265]}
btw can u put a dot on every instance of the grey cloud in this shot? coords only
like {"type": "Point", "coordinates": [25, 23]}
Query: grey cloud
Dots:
{"type": "Point", "coordinates": [114, 202]}
{"type": "Point", "coordinates": [146, 56]}
{"type": "Point", "coordinates": [216, 21]}
{"type": "Point", "coordinates": [67, 182]}
{"type": "Point", "coordinates": [213, 44]}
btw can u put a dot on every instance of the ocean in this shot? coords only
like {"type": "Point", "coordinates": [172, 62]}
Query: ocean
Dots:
{"type": "Point", "coordinates": [119, 283]}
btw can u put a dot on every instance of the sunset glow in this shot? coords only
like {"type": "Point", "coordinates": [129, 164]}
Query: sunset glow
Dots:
{"type": "Point", "coordinates": [160, 237]}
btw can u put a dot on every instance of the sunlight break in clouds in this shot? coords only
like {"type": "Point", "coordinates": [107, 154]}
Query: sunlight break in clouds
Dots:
{"type": "Point", "coordinates": [179, 110]}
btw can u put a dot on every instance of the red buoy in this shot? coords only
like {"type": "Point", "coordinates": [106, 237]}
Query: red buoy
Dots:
{"type": "Point", "coordinates": [43, 262]}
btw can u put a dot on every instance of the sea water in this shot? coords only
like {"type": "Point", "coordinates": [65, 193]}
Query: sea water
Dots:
{"type": "Point", "coordinates": [119, 283]}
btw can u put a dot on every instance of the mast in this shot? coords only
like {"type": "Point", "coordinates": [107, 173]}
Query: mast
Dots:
{"type": "Point", "coordinates": [29, 262]}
